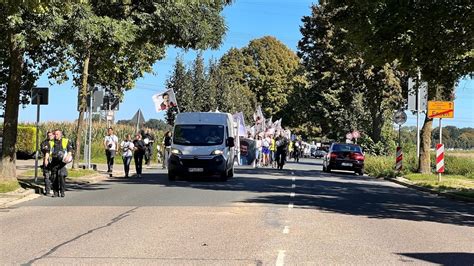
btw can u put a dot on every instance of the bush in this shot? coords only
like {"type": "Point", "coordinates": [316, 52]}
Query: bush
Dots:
{"type": "Point", "coordinates": [459, 166]}
{"type": "Point", "coordinates": [26, 139]}
{"type": "Point", "coordinates": [384, 166]}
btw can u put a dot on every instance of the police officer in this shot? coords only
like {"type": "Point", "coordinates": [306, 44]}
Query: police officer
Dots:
{"type": "Point", "coordinates": [61, 154]}
{"type": "Point", "coordinates": [46, 171]}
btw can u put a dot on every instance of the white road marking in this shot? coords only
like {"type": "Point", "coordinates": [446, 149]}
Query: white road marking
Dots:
{"type": "Point", "coordinates": [290, 206]}
{"type": "Point", "coordinates": [293, 179]}
{"type": "Point", "coordinates": [292, 173]}
{"type": "Point", "coordinates": [281, 258]}
{"type": "Point", "coordinates": [293, 186]}
{"type": "Point", "coordinates": [286, 230]}
{"type": "Point", "coordinates": [292, 194]}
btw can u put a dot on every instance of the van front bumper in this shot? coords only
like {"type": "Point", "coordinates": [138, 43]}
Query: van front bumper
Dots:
{"type": "Point", "coordinates": [200, 165]}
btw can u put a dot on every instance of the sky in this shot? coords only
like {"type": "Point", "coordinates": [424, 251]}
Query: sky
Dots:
{"type": "Point", "coordinates": [246, 20]}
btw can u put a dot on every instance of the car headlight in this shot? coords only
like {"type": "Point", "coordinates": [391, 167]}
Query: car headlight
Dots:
{"type": "Point", "coordinates": [176, 151]}
{"type": "Point", "coordinates": [217, 152]}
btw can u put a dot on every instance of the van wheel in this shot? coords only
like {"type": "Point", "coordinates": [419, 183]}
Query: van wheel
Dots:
{"type": "Point", "coordinates": [171, 176]}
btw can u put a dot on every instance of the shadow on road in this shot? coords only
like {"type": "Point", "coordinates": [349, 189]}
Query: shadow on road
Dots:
{"type": "Point", "coordinates": [450, 258]}
{"type": "Point", "coordinates": [335, 192]}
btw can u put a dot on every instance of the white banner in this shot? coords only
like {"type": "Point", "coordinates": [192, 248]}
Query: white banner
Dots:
{"type": "Point", "coordinates": [164, 101]}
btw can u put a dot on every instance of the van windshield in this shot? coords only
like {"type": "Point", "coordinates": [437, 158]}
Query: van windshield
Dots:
{"type": "Point", "coordinates": [198, 135]}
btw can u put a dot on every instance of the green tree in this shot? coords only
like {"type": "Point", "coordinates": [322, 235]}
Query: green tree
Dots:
{"type": "Point", "coordinates": [199, 80]}
{"type": "Point", "coordinates": [269, 70]}
{"type": "Point", "coordinates": [27, 27]}
{"type": "Point", "coordinates": [345, 93]}
{"type": "Point", "coordinates": [432, 37]}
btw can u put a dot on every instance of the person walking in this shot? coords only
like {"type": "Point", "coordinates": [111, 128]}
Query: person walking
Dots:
{"type": "Point", "coordinates": [45, 149]}
{"type": "Point", "coordinates": [273, 152]}
{"type": "Point", "coordinates": [139, 152]}
{"type": "Point", "coordinates": [266, 150]}
{"type": "Point", "coordinates": [110, 145]}
{"type": "Point", "coordinates": [167, 148]}
{"type": "Point", "coordinates": [61, 154]}
{"type": "Point", "coordinates": [149, 140]}
{"type": "Point", "coordinates": [127, 153]}
{"type": "Point", "coordinates": [258, 151]}
{"type": "Point", "coordinates": [282, 149]}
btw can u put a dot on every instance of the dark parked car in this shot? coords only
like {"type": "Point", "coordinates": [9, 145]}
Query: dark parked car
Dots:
{"type": "Point", "coordinates": [343, 156]}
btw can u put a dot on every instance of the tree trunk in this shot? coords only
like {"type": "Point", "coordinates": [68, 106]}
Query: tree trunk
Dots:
{"type": "Point", "coordinates": [8, 156]}
{"type": "Point", "coordinates": [82, 95]}
{"type": "Point", "coordinates": [424, 163]}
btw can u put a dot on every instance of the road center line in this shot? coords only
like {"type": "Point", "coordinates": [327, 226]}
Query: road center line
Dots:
{"type": "Point", "coordinates": [286, 230]}
{"type": "Point", "coordinates": [281, 258]}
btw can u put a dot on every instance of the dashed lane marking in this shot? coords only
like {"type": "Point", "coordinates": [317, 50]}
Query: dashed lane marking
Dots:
{"type": "Point", "coordinates": [292, 194]}
{"type": "Point", "coordinates": [293, 186]}
{"type": "Point", "coordinates": [293, 179]}
{"type": "Point", "coordinates": [290, 206]}
{"type": "Point", "coordinates": [281, 258]}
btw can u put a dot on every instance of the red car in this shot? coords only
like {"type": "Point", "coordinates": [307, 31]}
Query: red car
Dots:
{"type": "Point", "coordinates": [342, 156]}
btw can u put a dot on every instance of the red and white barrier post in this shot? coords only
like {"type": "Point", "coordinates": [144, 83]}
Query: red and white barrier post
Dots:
{"type": "Point", "coordinates": [440, 153]}
{"type": "Point", "coordinates": [399, 159]}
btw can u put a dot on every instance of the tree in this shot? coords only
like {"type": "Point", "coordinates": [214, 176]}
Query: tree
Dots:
{"type": "Point", "coordinates": [157, 124]}
{"type": "Point", "coordinates": [432, 37]}
{"type": "Point", "coordinates": [24, 52]}
{"type": "Point", "coordinates": [147, 25]}
{"type": "Point", "coordinates": [270, 67]}
{"type": "Point", "coordinates": [345, 93]}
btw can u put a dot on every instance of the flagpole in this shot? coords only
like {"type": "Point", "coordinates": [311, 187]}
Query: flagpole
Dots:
{"type": "Point", "coordinates": [177, 105]}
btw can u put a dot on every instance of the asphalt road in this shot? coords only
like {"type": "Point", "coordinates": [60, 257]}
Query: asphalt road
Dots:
{"type": "Point", "coordinates": [263, 216]}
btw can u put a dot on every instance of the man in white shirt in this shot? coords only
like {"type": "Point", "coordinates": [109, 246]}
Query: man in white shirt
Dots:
{"type": "Point", "coordinates": [110, 144]}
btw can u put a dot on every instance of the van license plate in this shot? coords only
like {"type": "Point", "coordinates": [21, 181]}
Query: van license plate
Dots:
{"type": "Point", "coordinates": [346, 164]}
{"type": "Point", "coordinates": [196, 170]}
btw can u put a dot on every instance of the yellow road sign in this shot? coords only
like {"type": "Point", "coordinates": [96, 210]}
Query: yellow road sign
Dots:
{"type": "Point", "coordinates": [438, 109]}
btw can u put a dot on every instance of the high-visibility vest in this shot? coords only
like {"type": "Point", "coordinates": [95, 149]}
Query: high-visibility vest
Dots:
{"type": "Point", "coordinates": [273, 146]}
{"type": "Point", "coordinates": [64, 142]}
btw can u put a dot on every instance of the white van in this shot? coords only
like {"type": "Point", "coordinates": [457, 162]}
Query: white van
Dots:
{"type": "Point", "coordinates": [203, 143]}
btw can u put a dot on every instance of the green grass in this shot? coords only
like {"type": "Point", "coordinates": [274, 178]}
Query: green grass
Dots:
{"type": "Point", "coordinates": [72, 173]}
{"type": "Point", "coordinates": [458, 184]}
{"type": "Point", "coordinates": [8, 186]}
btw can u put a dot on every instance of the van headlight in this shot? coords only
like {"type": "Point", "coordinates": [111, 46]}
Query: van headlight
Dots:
{"type": "Point", "coordinates": [217, 152]}
{"type": "Point", "coordinates": [176, 152]}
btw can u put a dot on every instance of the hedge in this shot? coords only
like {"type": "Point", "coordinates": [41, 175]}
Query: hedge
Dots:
{"type": "Point", "coordinates": [26, 139]}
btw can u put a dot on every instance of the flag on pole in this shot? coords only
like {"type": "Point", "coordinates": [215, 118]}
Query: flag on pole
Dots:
{"type": "Point", "coordinates": [164, 101]}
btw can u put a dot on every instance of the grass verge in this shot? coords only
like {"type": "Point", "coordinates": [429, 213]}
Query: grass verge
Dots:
{"type": "Point", "coordinates": [457, 184]}
{"type": "Point", "coordinates": [8, 186]}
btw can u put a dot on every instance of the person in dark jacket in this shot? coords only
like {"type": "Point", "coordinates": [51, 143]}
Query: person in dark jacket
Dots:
{"type": "Point", "coordinates": [61, 154]}
{"type": "Point", "coordinates": [46, 171]}
{"type": "Point", "coordinates": [167, 140]}
{"type": "Point", "coordinates": [139, 151]}
{"type": "Point", "coordinates": [282, 149]}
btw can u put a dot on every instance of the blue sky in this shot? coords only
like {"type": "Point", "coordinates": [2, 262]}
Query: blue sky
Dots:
{"type": "Point", "coordinates": [246, 20]}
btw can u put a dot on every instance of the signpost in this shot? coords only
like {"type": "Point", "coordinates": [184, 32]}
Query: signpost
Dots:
{"type": "Point", "coordinates": [39, 96]}
{"type": "Point", "coordinates": [417, 99]}
{"type": "Point", "coordinates": [400, 117]}
{"type": "Point", "coordinates": [440, 109]}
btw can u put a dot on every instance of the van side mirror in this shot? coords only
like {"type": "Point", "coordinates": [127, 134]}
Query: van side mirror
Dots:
{"type": "Point", "coordinates": [230, 142]}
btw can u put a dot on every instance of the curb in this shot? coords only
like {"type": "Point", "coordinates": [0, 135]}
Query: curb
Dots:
{"type": "Point", "coordinates": [404, 182]}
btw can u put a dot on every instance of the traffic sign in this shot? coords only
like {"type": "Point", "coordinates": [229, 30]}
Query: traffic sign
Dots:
{"type": "Point", "coordinates": [400, 117]}
{"type": "Point", "coordinates": [440, 109]}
